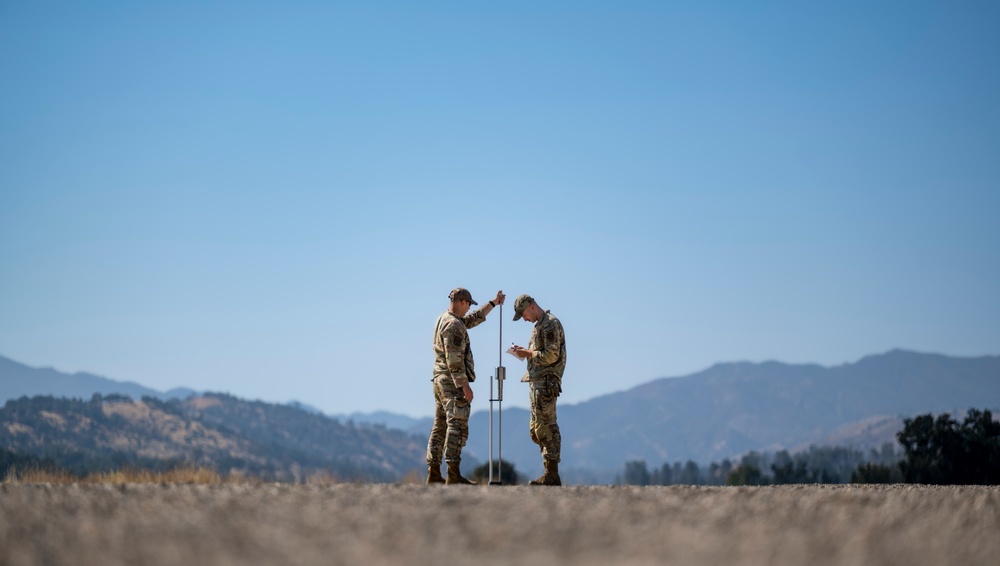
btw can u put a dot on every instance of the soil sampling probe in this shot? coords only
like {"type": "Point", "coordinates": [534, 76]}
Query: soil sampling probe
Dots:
{"type": "Point", "coordinates": [500, 376]}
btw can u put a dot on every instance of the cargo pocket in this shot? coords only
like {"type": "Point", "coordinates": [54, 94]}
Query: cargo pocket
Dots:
{"type": "Point", "coordinates": [458, 408]}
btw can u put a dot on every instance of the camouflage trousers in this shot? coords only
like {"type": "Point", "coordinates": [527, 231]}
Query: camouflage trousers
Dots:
{"type": "Point", "coordinates": [543, 426]}
{"type": "Point", "coordinates": [451, 422]}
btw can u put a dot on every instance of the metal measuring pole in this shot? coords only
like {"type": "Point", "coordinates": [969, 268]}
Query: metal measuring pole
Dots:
{"type": "Point", "coordinates": [501, 374]}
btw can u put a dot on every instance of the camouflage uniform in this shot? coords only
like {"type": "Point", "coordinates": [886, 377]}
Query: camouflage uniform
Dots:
{"type": "Point", "coordinates": [544, 377]}
{"type": "Point", "coordinates": [453, 369]}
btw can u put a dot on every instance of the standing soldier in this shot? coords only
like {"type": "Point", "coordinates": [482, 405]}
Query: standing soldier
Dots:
{"type": "Point", "coordinates": [454, 369]}
{"type": "Point", "coordinates": [546, 355]}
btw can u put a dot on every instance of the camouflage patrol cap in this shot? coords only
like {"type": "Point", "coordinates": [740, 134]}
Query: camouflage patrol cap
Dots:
{"type": "Point", "coordinates": [521, 303]}
{"type": "Point", "coordinates": [461, 294]}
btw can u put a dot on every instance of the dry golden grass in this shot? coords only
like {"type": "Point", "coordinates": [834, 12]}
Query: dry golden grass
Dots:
{"type": "Point", "coordinates": [33, 475]}
{"type": "Point", "coordinates": [322, 478]}
{"type": "Point", "coordinates": [186, 475]}
{"type": "Point", "coordinates": [414, 477]}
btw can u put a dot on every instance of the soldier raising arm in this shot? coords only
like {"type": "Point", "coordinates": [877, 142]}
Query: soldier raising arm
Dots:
{"type": "Point", "coordinates": [452, 347]}
{"type": "Point", "coordinates": [454, 370]}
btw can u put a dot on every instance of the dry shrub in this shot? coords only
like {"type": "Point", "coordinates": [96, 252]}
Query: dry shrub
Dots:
{"type": "Point", "coordinates": [203, 476]}
{"type": "Point", "coordinates": [323, 477]}
{"type": "Point", "coordinates": [198, 475]}
{"type": "Point", "coordinates": [413, 477]}
{"type": "Point", "coordinates": [236, 477]}
{"type": "Point", "coordinates": [118, 477]}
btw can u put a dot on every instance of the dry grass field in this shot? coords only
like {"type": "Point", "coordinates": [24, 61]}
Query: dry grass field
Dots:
{"type": "Point", "coordinates": [220, 523]}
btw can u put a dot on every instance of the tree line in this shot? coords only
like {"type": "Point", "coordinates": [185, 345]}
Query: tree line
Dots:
{"type": "Point", "coordinates": [934, 451]}
{"type": "Point", "coordinates": [818, 464]}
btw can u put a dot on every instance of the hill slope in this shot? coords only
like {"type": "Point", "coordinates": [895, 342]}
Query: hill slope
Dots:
{"type": "Point", "coordinates": [218, 431]}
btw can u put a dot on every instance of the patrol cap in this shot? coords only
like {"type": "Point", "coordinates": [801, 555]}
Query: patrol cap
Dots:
{"type": "Point", "coordinates": [461, 294]}
{"type": "Point", "coordinates": [521, 303]}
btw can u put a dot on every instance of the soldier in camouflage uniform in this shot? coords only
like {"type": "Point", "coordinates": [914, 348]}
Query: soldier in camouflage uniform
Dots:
{"type": "Point", "coordinates": [454, 369]}
{"type": "Point", "coordinates": [546, 355]}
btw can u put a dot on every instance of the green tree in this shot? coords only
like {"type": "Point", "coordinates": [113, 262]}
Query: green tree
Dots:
{"type": "Point", "coordinates": [746, 475]}
{"type": "Point", "coordinates": [666, 474]}
{"type": "Point", "coordinates": [691, 474]}
{"type": "Point", "coordinates": [636, 473]}
{"type": "Point", "coordinates": [786, 470]}
{"type": "Point", "coordinates": [876, 473]}
{"type": "Point", "coordinates": [940, 451]}
{"type": "Point", "coordinates": [981, 436]}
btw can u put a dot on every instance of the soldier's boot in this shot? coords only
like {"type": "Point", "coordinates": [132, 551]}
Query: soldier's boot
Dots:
{"type": "Point", "coordinates": [550, 477]}
{"type": "Point", "coordinates": [434, 474]}
{"type": "Point", "coordinates": [455, 477]}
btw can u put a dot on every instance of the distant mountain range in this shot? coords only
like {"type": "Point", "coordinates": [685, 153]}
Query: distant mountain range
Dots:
{"type": "Point", "coordinates": [385, 418]}
{"type": "Point", "coordinates": [721, 412]}
{"type": "Point", "coordinates": [18, 380]}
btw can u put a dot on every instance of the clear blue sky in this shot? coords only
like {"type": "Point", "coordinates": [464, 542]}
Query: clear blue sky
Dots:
{"type": "Point", "coordinates": [274, 199]}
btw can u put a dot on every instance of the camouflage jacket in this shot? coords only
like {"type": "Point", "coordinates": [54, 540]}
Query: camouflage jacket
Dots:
{"type": "Point", "coordinates": [452, 351]}
{"type": "Point", "coordinates": [549, 341]}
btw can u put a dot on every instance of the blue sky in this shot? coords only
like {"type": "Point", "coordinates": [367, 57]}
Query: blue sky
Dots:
{"type": "Point", "coordinates": [274, 199]}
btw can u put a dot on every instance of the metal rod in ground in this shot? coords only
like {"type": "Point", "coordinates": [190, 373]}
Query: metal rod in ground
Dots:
{"type": "Point", "coordinates": [491, 432]}
{"type": "Point", "coordinates": [501, 374]}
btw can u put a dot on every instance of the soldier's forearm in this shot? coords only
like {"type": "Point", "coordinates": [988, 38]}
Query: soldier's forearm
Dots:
{"type": "Point", "coordinates": [546, 356]}
{"type": "Point", "coordinates": [477, 317]}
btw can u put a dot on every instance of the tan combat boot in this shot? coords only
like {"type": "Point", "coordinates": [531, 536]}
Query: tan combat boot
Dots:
{"type": "Point", "coordinates": [434, 474]}
{"type": "Point", "coordinates": [455, 477]}
{"type": "Point", "coordinates": [550, 477]}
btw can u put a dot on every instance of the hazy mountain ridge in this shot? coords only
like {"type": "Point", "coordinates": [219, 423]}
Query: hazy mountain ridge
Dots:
{"type": "Point", "coordinates": [385, 418]}
{"type": "Point", "coordinates": [18, 380]}
{"type": "Point", "coordinates": [721, 412]}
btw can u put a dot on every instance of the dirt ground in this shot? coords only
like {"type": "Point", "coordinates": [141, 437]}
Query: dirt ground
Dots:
{"type": "Point", "coordinates": [409, 524]}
